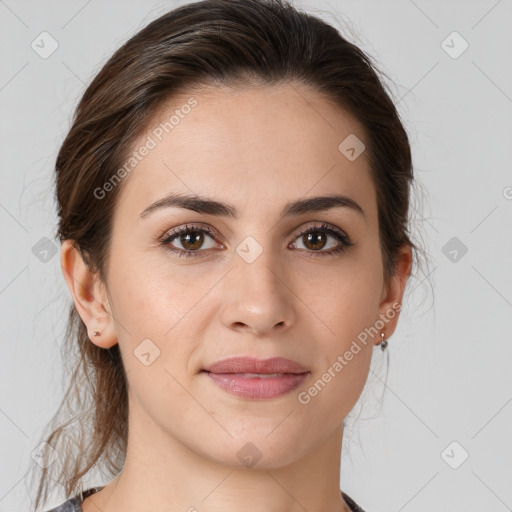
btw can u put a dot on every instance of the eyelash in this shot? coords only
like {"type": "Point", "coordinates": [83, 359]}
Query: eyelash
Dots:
{"type": "Point", "coordinates": [344, 239]}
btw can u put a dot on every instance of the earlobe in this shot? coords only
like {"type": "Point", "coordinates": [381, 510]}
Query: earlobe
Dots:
{"type": "Point", "coordinates": [88, 293]}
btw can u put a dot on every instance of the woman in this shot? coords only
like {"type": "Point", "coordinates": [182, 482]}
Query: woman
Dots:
{"type": "Point", "coordinates": [233, 211]}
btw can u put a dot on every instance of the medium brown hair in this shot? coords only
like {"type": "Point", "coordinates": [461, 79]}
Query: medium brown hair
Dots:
{"type": "Point", "coordinates": [224, 42]}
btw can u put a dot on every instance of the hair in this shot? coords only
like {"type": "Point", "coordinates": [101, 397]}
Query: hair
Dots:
{"type": "Point", "coordinates": [221, 42]}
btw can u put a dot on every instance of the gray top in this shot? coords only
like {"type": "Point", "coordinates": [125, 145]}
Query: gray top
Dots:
{"type": "Point", "coordinates": [74, 504]}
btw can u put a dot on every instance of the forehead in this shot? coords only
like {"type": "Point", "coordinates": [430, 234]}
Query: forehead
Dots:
{"type": "Point", "coordinates": [279, 142]}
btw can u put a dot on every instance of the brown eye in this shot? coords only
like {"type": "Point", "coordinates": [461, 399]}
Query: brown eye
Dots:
{"type": "Point", "coordinates": [191, 239]}
{"type": "Point", "coordinates": [316, 238]}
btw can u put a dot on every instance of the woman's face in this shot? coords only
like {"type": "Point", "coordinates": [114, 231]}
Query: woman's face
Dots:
{"type": "Point", "coordinates": [252, 285]}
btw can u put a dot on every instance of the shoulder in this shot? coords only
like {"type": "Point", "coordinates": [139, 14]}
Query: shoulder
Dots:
{"type": "Point", "coordinates": [71, 505]}
{"type": "Point", "coordinates": [354, 507]}
{"type": "Point", "coordinates": [75, 504]}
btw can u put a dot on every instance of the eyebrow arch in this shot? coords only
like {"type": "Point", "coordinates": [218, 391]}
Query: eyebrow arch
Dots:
{"type": "Point", "coordinates": [210, 207]}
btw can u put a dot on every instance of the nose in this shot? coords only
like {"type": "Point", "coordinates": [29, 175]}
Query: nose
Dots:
{"type": "Point", "coordinates": [258, 297]}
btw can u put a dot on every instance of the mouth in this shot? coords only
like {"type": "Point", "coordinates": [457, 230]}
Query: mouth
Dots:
{"type": "Point", "coordinates": [254, 379]}
{"type": "Point", "coordinates": [257, 386]}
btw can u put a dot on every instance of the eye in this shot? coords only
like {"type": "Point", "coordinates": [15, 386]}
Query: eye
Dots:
{"type": "Point", "coordinates": [191, 238]}
{"type": "Point", "coordinates": [314, 239]}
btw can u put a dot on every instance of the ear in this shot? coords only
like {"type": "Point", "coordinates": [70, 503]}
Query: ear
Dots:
{"type": "Point", "coordinates": [392, 295]}
{"type": "Point", "coordinates": [89, 295]}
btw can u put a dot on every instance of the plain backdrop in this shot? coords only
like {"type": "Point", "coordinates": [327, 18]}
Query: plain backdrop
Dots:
{"type": "Point", "coordinates": [437, 436]}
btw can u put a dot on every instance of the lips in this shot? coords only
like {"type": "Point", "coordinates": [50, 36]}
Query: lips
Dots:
{"type": "Point", "coordinates": [250, 365]}
{"type": "Point", "coordinates": [257, 379]}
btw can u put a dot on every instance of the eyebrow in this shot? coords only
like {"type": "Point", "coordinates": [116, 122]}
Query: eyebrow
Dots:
{"type": "Point", "coordinates": [208, 206]}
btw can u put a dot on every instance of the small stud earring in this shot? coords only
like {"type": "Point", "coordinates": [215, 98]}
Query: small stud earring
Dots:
{"type": "Point", "coordinates": [384, 343]}
{"type": "Point", "coordinates": [96, 333]}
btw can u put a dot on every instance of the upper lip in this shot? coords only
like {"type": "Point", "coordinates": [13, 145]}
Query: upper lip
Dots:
{"type": "Point", "coordinates": [252, 365]}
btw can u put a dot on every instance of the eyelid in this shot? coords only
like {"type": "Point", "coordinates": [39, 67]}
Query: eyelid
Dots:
{"type": "Point", "coordinates": [321, 225]}
{"type": "Point", "coordinates": [212, 231]}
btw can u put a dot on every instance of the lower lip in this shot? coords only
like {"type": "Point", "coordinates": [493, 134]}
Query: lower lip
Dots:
{"type": "Point", "coordinates": [256, 388]}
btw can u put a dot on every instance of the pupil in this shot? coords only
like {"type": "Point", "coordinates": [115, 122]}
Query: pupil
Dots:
{"type": "Point", "coordinates": [194, 240]}
{"type": "Point", "coordinates": [315, 237]}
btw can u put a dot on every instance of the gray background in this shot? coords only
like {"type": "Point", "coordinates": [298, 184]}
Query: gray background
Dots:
{"type": "Point", "coordinates": [449, 374]}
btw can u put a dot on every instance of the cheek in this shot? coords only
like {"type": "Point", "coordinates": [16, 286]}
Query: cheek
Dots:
{"type": "Point", "coordinates": [158, 395]}
{"type": "Point", "coordinates": [349, 297]}
{"type": "Point", "coordinates": [152, 293]}
{"type": "Point", "coordinates": [160, 311]}
{"type": "Point", "coordinates": [349, 307]}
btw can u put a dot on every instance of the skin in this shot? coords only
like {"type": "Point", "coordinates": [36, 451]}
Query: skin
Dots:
{"type": "Point", "coordinates": [256, 148]}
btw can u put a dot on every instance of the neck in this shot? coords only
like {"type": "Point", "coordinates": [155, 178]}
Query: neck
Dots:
{"type": "Point", "coordinates": [161, 473]}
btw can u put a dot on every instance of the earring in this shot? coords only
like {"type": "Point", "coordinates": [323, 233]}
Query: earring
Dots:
{"type": "Point", "coordinates": [384, 343]}
{"type": "Point", "coordinates": [96, 333]}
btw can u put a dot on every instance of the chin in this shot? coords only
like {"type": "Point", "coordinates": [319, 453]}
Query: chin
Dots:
{"type": "Point", "coordinates": [254, 451]}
